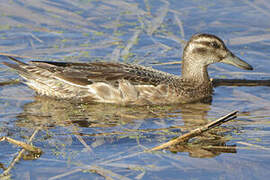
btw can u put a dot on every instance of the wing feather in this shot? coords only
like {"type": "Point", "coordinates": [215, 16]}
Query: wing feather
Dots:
{"type": "Point", "coordinates": [88, 73]}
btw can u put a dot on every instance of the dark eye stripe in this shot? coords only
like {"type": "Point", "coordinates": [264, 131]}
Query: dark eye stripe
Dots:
{"type": "Point", "coordinates": [200, 50]}
{"type": "Point", "coordinates": [213, 44]}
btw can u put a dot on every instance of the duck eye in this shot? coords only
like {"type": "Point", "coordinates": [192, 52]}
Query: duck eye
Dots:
{"type": "Point", "coordinates": [214, 45]}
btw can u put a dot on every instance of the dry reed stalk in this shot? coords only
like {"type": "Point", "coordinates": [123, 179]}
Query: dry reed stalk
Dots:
{"type": "Point", "coordinates": [240, 82]}
{"type": "Point", "coordinates": [10, 82]}
{"type": "Point", "coordinates": [21, 152]}
{"type": "Point", "coordinates": [22, 144]}
{"type": "Point", "coordinates": [185, 137]}
{"type": "Point", "coordinates": [15, 55]}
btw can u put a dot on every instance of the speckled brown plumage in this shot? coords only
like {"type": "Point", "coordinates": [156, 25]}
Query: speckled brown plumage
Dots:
{"type": "Point", "coordinates": [127, 84]}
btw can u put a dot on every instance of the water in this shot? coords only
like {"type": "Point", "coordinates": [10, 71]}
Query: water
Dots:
{"type": "Point", "coordinates": [107, 141]}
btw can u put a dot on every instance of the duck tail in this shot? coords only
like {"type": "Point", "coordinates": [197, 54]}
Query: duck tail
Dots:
{"type": "Point", "coordinates": [19, 66]}
{"type": "Point", "coordinates": [17, 61]}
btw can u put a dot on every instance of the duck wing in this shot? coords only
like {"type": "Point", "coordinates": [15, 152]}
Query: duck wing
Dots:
{"type": "Point", "coordinates": [109, 72]}
{"type": "Point", "coordinates": [83, 74]}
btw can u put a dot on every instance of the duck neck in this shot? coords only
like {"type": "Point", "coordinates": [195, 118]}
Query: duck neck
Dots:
{"type": "Point", "coordinates": [195, 72]}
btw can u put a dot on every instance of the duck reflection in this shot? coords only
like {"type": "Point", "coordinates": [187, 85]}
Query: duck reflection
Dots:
{"type": "Point", "coordinates": [46, 113]}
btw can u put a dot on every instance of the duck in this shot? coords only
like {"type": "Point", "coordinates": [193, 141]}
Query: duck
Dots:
{"type": "Point", "coordinates": [131, 84]}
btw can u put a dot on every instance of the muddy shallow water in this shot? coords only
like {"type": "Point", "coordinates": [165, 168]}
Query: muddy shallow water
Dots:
{"type": "Point", "coordinates": [100, 141]}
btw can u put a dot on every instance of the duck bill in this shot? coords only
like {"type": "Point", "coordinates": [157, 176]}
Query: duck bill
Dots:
{"type": "Point", "coordinates": [236, 61]}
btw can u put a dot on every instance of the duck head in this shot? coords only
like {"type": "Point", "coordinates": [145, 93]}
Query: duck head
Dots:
{"type": "Point", "coordinates": [203, 50]}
